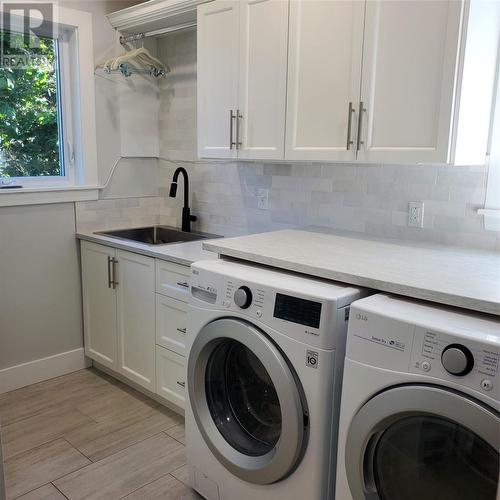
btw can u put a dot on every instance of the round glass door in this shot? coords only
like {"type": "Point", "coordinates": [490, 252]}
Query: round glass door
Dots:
{"type": "Point", "coordinates": [242, 399]}
{"type": "Point", "coordinates": [247, 401]}
{"type": "Point", "coordinates": [414, 442]}
{"type": "Point", "coordinates": [431, 457]}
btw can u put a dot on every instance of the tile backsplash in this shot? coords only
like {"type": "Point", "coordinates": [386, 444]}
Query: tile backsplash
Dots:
{"type": "Point", "coordinates": [366, 198]}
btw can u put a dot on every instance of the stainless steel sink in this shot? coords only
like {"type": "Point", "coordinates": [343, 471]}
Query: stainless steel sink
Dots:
{"type": "Point", "coordinates": [156, 235]}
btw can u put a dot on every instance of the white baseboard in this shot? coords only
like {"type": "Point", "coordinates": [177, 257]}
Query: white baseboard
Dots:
{"type": "Point", "coordinates": [39, 370]}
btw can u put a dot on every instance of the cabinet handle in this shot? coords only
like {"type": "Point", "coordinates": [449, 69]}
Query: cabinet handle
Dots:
{"type": "Point", "coordinates": [232, 116]}
{"type": "Point", "coordinates": [114, 262]}
{"type": "Point", "coordinates": [184, 284]}
{"type": "Point", "coordinates": [350, 142]}
{"type": "Point", "coordinates": [362, 110]}
{"type": "Point", "coordinates": [239, 116]}
{"type": "Point", "coordinates": [182, 384]}
{"type": "Point", "coordinates": [110, 281]}
{"type": "Point", "coordinates": [181, 330]}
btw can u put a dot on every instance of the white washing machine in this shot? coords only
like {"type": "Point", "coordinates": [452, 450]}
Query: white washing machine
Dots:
{"type": "Point", "coordinates": [420, 403]}
{"type": "Point", "coordinates": [266, 351]}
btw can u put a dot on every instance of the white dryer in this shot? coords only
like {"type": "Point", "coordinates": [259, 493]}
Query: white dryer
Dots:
{"type": "Point", "coordinates": [420, 403]}
{"type": "Point", "coordinates": [266, 351]}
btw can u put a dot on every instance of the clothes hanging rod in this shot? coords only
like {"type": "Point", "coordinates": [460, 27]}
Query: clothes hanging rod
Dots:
{"type": "Point", "coordinates": [163, 31]}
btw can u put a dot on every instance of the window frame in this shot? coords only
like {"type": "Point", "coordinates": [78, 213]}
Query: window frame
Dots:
{"type": "Point", "coordinates": [64, 128]}
{"type": "Point", "coordinates": [491, 210]}
{"type": "Point", "coordinates": [73, 31]}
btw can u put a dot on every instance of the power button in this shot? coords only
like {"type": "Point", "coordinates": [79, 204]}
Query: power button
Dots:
{"type": "Point", "coordinates": [486, 384]}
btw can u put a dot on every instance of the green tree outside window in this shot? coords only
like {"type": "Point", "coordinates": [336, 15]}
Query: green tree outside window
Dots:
{"type": "Point", "coordinates": [29, 131]}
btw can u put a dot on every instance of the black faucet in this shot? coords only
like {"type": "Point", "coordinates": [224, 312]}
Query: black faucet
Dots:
{"type": "Point", "coordinates": [187, 218]}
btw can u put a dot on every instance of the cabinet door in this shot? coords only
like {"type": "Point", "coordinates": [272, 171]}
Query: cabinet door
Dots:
{"type": "Point", "coordinates": [99, 304]}
{"type": "Point", "coordinates": [217, 40]}
{"type": "Point", "coordinates": [135, 294]}
{"type": "Point", "coordinates": [171, 376]}
{"type": "Point", "coordinates": [262, 79]}
{"type": "Point", "coordinates": [171, 323]}
{"type": "Point", "coordinates": [324, 71]}
{"type": "Point", "coordinates": [408, 83]}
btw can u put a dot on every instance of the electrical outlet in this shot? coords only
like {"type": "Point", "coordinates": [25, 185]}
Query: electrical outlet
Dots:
{"type": "Point", "coordinates": [263, 199]}
{"type": "Point", "coordinates": [416, 214]}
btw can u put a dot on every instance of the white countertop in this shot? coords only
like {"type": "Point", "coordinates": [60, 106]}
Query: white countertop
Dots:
{"type": "Point", "coordinates": [180, 253]}
{"type": "Point", "coordinates": [454, 276]}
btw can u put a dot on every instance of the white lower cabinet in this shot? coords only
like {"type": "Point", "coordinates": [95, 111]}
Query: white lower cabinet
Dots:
{"type": "Point", "coordinates": [171, 323]}
{"type": "Point", "coordinates": [172, 280]}
{"type": "Point", "coordinates": [135, 317]}
{"type": "Point", "coordinates": [172, 293]}
{"type": "Point", "coordinates": [99, 304]}
{"type": "Point", "coordinates": [135, 314]}
{"type": "Point", "coordinates": [119, 311]}
{"type": "Point", "coordinates": [170, 376]}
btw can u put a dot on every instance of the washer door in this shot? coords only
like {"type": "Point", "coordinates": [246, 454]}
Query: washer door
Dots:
{"type": "Point", "coordinates": [417, 442]}
{"type": "Point", "coordinates": [247, 401]}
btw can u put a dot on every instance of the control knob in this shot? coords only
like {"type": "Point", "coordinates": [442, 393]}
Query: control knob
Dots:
{"type": "Point", "coordinates": [457, 359]}
{"type": "Point", "coordinates": [243, 297]}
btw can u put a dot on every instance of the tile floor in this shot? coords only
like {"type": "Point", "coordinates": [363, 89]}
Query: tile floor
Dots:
{"type": "Point", "coordinates": [88, 436]}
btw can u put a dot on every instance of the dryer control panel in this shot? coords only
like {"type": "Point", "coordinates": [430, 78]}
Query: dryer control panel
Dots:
{"type": "Point", "coordinates": [410, 336]}
{"type": "Point", "coordinates": [456, 357]}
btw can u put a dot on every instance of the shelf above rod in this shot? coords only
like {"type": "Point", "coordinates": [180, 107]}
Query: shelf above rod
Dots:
{"type": "Point", "coordinates": [124, 39]}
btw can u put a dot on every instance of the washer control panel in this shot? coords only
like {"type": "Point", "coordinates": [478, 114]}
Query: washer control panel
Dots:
{"type": "Point", "coordinates": [471, 363]}
{"type": "Point", "coordinates": [309, 310]}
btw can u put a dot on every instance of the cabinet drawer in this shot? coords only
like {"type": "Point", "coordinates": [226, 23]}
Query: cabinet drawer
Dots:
{"type": "Point", "coordinates": [172, 280]}
{"type": "Point", "coordinates": [170, 376]}
{"type": "Point", "coordinates": [171, 322]}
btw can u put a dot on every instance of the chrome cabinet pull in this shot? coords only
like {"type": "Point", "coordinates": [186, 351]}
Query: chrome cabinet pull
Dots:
{"type": "Point", "coordinates": [362, 110]}
{"type": "Point", "coordinates": [110, 281]}
{"type": "Point", "coordinates": [181, 330]}
{"type": "Point", "coordinates": [350, 112]}
{"type": "Point", "coordinates": [232, 117]}
{"type": "Point", "coordinates": [184, 284]}
{"type": "Point", "coordinates": [115, 283]}
{"type": "Point", "coordinates": [239, 116]}
{"type": "Point", "coordinates": [182, 384]}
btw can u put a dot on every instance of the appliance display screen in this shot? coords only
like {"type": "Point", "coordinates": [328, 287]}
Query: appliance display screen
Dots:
{"type": "Point", "coordinates": [301, 311]}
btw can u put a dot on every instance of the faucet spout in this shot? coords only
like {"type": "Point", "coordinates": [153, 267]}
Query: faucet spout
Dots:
{"type": "Point", "coordinates": [187, 218]}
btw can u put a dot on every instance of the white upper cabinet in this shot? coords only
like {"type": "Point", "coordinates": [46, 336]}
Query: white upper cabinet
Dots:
{"type": "Point", "coordinates": [408, 82]}
{"type": "Point", "coordinates": [242, 58]}
{"type": "Point", "coordinates": [324, 71]}
{"type": "Point", "coordinates": [400, 81]}
{"type": "Point", "coordinates": [262, 79]}
{"type": "Point", "coordinates": [218, 28]}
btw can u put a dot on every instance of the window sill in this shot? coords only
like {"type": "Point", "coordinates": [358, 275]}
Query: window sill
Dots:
{"type": "Point", "coordinates": [47, 195]}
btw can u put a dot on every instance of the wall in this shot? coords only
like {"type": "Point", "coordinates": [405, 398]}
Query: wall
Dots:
{"type": "Point", "coordinates": [366, 198]}
{"type": "Point", "coordinates": [40, 300]}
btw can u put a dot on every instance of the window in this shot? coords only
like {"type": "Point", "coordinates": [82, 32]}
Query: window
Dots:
{"type": "Point", "coordinates": [47, 111]}
{"type": "Point", "coordinates": [31, 128]}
